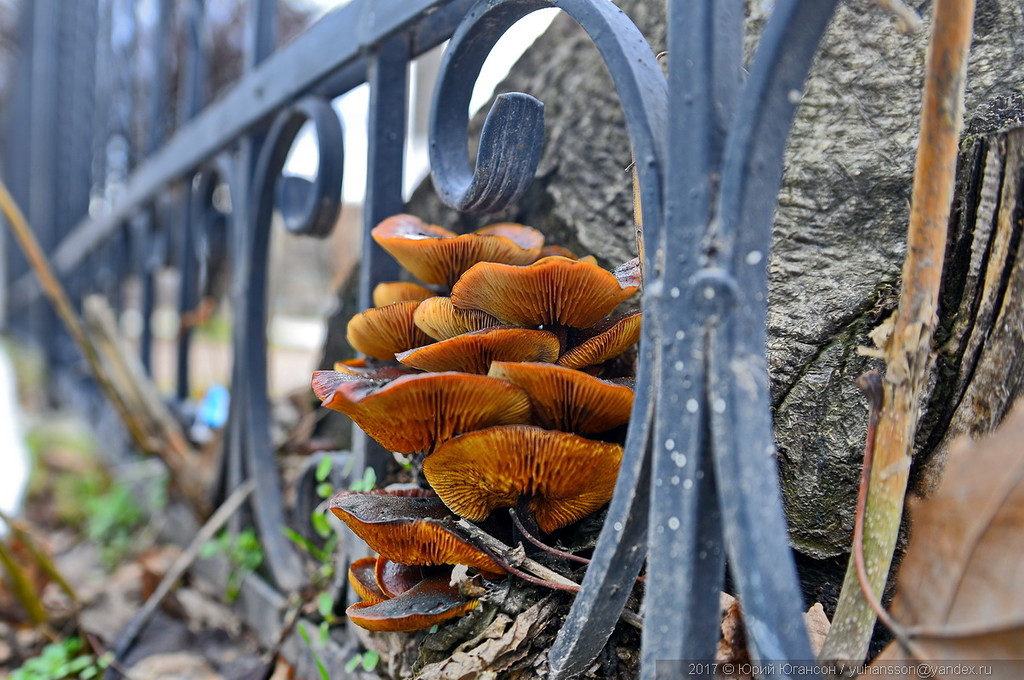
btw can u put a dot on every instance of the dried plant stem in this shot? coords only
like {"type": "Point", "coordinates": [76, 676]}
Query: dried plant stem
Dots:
{"type": "Point", "coordinates": [518, 563]}
{"type": "Point", "coordinates": [529, 570]}
{"type": "Point", "coordinates": [908, 351]}
{"type": "Point", "coordinates": [871, 385]}
{"type": "Point", "coordinates": [181, 464]}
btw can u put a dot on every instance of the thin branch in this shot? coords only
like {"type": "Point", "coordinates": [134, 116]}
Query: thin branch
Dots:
{"type": "Point", "coordinates": [504, 552]}
{"type": "Point", "coordinates": [532, 571]}
{"type": "Point", "coordinates": [870, 385]}
{"type": "Point", "coordinates": [217, 520]}
{"type": "Point", "coordinates": [908, 350]}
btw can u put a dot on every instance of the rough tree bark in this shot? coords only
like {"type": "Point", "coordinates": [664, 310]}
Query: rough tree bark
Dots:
{"type": "Point", "coordinates": [839, 232]}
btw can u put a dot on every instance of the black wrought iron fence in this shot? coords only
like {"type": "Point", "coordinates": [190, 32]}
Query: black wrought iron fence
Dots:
{"type": "Point", "coordinates": [698, 485]}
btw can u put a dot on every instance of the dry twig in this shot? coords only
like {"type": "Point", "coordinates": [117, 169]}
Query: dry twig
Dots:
{"type": "Point", "coordinates": [908, 351]}
{"type": "Point", "coordinates": [158, 444]}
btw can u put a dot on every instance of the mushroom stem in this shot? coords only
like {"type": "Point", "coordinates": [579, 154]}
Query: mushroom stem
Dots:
{"type": "Point", "coordinates": [540, 544]}
{"type": "Point", "coordinates": [561, 331]}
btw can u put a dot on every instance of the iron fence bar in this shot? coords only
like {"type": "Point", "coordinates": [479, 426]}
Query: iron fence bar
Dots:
{"type": "Point", "coordinates": [75, 113]}
{"type": "Point", "coordinates": [191, 99]}
{"type": "Point", "coordinates": [249, 395]}
{"type": "Point", "coordinates": [387, 76]}
{"type": "Point", "coordinates": [157, 87]}
{"type": "Point", "coordinates": [41, 161]}
{"type": "Point", "coordinates": [705, 76]}
{"type": "Point", "coordinates": [144, 231]}
{"type": "Point", "coordinates": [249, 453]}
{"type": "Point", "coordinates": [339, 40]}
{"type": "Point", "coordinates": [753, 520]}
{"type": "Point", "coordinates": [101, 115]}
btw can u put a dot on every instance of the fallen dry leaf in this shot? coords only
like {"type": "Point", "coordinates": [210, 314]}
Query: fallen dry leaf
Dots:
{"type": "Point", "coordinates": [961, 585]}
{"type": "Point", "coordinates": [732, 645]}
{"type": "Point", "coordinates": [500, 646]}
{"type": "Point", "coordinates": [818, 626]}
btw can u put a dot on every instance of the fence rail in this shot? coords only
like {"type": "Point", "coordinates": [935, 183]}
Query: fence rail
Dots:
{"type": "Point", "coordinates": [698, 483]}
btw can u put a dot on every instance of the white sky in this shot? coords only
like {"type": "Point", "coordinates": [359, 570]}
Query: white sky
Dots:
{"type": "Point", "coordinates": [352, 108]}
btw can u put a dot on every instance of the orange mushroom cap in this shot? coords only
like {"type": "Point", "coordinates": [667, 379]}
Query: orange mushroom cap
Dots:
{"type": "Point", "coordinates": [607, 341]}
{"type": "Point", "coordinates": [391, 292]}
{"type": "Point", "coordinates": [362, 577]}
{"type": "Point", "coordinates": [473, 352]}
{"type": "Point", "coordinates": [567, 399]}
{"type": "Point", "coordinates": [438, 256]}
{"type": "Point", "coordinates": [564, 476]}
{"type": "Point", "coordinates": [438, 318]}
{"type": "Point", "coordinates": [428, 603]}
{"type": "Point", "coordinates": [381, 332]}
{"type": "Point", "coordinates": [553, 290]}
{"type": "Point", "coordinates": [415, 413]}
{"type": "Point", "coordinates": [409, 530]}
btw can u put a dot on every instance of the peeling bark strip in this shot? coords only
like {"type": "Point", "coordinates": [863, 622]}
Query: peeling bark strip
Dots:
{"type": "Point", "coordinates": [981, 334]}
{"type": "Point", "coordinates": [908, 351]}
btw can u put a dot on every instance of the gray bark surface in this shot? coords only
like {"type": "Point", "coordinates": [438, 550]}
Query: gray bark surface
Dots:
{"type": "Point", "coordinates": [839, 235]}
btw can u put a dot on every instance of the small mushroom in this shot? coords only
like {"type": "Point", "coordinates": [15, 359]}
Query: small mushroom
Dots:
{"type": "Point", "coordinates": [438, 318]}
{"type": "Point", "coordinates": [362, 576]}
{"type": "Point", "coordinates": [473, 352]}
{"type": "Point", "coordinates": [567, 399]}
{"type": "Point", "coordinates": [410, 530]}
{"type": "Point", "coordinates": [438, 256]}
{"type": "Point", "coordinates": [391, 292]}
{"type": "Point", "coordinates": [393, 578]}
{"type": "Point", "coordinates": [560, 251]}
{"type": "Point", "coordinates": [362, 368]}
{"type": "Point", "coordinates": [415, 413]}
{"type": "Point", "coordinates": [560, 477]}
{"type": "Point", "coordinates": [605, 341]}
{"type": "Point", "coordinates": [428, 603]}
{"type": "Point", "coordinates": [381, 332]}
{"type": "Point", "coordinates": [552, 291]}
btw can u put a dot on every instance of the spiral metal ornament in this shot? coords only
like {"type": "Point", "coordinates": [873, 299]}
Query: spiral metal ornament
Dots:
{"type": "Point", "coordinates": [512, 139]}
{"type": "Point", "coordinates": [308, 208]}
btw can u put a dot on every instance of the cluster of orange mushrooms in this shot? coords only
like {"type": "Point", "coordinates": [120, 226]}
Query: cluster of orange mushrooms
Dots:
{"type": "Point", "coordinates": [492, 377]}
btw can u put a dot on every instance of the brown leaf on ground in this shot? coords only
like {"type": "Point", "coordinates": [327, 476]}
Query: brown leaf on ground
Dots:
{"type": "Point", "coordinates": [961, 585]}
{"type": "Point", "coordinates": [732, 645]}
{"type": "Point", "coordinates": [817, 626]}
{"type": "Point", "coordinates": [174, 666]}
{"type": "Point", "coordinates": [500, 646]}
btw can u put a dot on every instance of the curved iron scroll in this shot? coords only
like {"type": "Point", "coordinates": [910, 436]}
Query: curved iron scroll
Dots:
{"type": "Point", "coordinates": [702, 380]}
{"type": "Point", "coordinates": [249, 451]}
{"type": "Point", "coordinates": [512, 139]}
{"type": "Point", "coordinates": [643, 93]}
{"type": "Point", "coordinates": [204, 247]}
